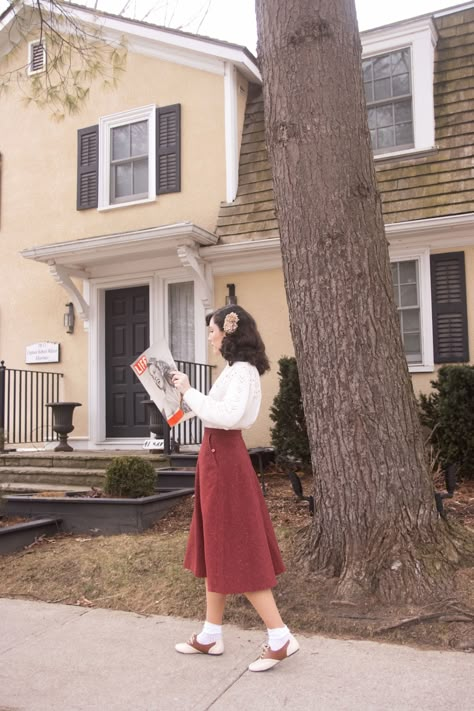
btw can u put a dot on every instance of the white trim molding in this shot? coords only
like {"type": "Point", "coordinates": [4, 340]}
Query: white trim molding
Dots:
{"type": "Point", "coordinates": [231, 131]}
{"type": "Point", "coordinates": [189, 258]}
{"type": "Point", "coordinates": [420, 36]}
{"type": "Point", "coordinates": [436, 232]}
{"type": "Point", "coordinates": [106, 124]}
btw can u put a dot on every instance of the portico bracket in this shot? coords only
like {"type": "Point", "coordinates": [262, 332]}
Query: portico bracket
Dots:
{"type": "Point", "coordinates": [189, 258]}
{"type": "Point", "coordinates": [63, 277]}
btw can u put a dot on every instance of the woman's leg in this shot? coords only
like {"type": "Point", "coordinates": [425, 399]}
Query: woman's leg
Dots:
{"type": "Point", "coordinates": [264, 603]}
{"type": "Point", "coordinates": [215, 604]}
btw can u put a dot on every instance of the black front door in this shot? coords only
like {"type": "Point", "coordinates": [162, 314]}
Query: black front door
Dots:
{"type": "Point", "coordinates": [126, 336]}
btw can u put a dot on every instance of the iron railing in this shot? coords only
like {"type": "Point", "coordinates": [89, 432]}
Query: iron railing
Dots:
{"type": "Point", "coordinates": [24, 417]}
{"type": "Point", "coordinates": [200, 377]}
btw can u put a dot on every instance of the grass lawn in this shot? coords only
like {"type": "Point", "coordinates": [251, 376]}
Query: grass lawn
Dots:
{"type": "Point", "coordinates": [143, 573]}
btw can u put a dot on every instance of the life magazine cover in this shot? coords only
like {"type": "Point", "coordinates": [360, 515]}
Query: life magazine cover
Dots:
{"type": "Point", "coordinates": [153, 368]}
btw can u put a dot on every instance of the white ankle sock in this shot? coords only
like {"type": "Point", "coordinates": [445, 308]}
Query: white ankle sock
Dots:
{"type": "Point", "coordinates": [210, 633]}
{"type": "Point", "coordinates": [277, 637]}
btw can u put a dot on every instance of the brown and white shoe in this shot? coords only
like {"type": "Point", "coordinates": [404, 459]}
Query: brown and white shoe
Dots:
{"type": "Point", "coordinates": [192, 646]}
{"type": "Point", "coordinates": [269, 658]}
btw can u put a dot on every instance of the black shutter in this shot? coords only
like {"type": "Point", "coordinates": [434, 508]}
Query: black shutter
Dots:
{"type": "Point", "coordinates": [448, 293]}
{"type": "Point", "coordinates": [168, 149]}
{"type": "Point", "coordinates": [87, 167]}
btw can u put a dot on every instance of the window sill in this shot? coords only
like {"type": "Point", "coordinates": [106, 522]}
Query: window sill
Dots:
{"type": "Point", "coordinates": [104, 208]}
{"type": "Point", "coordinates": [421, 368]}
{"type": "Point", "coordinates": [397, 155]}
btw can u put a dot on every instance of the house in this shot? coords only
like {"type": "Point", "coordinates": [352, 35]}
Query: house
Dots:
{"type": "Point", "coordinates": [154, 203]}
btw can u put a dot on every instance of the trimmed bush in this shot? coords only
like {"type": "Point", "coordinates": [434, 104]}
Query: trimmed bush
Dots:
{"type": "Point", "coordinates": [449, 414]}
{"type": "Point", "coordinates": [289, 435]}
{"type": "Point", "coordinates": [130, 477]}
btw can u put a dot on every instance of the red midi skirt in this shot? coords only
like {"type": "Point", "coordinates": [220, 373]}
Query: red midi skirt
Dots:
{"type": "Point", "coordinates": [231, 540]}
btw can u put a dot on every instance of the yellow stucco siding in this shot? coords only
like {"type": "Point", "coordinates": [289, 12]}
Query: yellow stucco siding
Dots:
{"type": "Point", "coordinates": [263, 295]}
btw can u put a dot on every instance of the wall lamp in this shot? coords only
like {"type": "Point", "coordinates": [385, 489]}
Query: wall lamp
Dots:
{"type": "Point", "coordinates": [231, 297]}
{"type": "Point", "coordinates": [69, 318]}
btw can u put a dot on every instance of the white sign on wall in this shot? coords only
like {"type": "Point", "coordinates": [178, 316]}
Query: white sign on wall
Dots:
{"type": "Point", "coordinates": [46, 352]}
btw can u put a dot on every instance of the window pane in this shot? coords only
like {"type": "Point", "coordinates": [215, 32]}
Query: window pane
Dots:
{"type": "Point", "coordinates": [385, 137]}
{"type": "Point", "coordinates": [411, 321]}
{"type": "Point", "coordinates": [372, 118]}
{"type": "Point", "coordinates": [402, 111]}
{"type": "Point", "coordinates": [369, 91]}
{"type": "Point", "coordinates": [373, 138]}
{"type": "Point", "coordinates": [407, 272]}
{"type": "Point", "coordinates": [367, 70]}
{"type": "Point", "coordinates": [123, 180]}
{"type": "Point", "coordinates": [181, 320]}
{"type": "Point", "coordinates": [404, 134]}
{"type": "Point", "coordinates": [412, 344]}
{"type": "Point", "coordinates": [139, 138]}
{"type": "Point", "coordinates": [401, 85]}
{"type": "Point", "coordinates": [394, 273]}
{"type": "Point", "coordinates": [120, 142]}
{"type": "Point", "coordinates": [140, 176]}
{"type": "Point", "coordinates": [382, 66]}
{"type": "Point", "coordinates": [382, 89]}
{"type": "Point", "coordinates": [408, 295]}
{"type": "Point", "coordinates": [384, 115]}
{"type": "Point", "coordinates": [401, 62]}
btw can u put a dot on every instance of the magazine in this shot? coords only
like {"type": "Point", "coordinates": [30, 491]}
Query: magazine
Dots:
{"type": "Point", "coordinates": [153, 368]}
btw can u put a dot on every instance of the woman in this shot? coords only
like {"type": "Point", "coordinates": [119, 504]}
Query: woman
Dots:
{"type": "Point", "coordinates": [231, 542]}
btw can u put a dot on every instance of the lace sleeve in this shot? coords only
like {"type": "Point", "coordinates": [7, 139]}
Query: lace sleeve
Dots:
{"type": "Point", "coordinates": [228, 411]}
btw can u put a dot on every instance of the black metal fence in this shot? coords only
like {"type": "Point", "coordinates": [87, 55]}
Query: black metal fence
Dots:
{"type": "Point", "coordinates": [24, 417]}
{"type": "Point", "coordinates": [200, 376]}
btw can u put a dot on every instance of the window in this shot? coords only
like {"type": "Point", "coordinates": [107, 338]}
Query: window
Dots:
{"type": "Point", "coordinates": [127, 157]}
{"type": "Point", "coordinates": [36, 57]}
{"type": "Point", "coordinates": [130, 157]}
{"type": "Point", "coordinates": [405, 290]}
{"type": "Point", "coordinates": [387, 83]}
{"type": "Point", "coordinates": [412, 295]}
{"type": "Point", "coordinates": [398, 69]}
{"type": "Point", "coordinates": [181, 320]}
{"type": "Point", "coordinates": [129, 162]}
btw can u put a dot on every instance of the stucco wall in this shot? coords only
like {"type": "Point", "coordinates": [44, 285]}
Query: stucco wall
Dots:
{"type": "Point", "coordinates": [38, 203]}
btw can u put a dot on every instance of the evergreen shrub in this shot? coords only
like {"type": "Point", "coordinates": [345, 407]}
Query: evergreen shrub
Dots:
{"type": "Point", "coordinates": [289, 435]}
{"type": "Point", "coordinates": [130, 477]}
{"type": "Point", "coordinates": [448, 412]}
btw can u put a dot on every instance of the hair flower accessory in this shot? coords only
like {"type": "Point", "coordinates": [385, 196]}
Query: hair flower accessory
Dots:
{"type": "Point", "coordinates": [230, 323]}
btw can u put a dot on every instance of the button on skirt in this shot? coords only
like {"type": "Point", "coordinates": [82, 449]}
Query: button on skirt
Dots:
{"type": "Point", "coordinates": [231, 541]}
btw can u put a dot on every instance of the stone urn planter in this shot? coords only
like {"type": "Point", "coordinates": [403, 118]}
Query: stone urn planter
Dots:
{"type": "Point", "coordinates": [62, 422]}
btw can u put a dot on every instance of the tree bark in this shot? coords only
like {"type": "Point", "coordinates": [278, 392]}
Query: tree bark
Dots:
{"type": "Point", "coordinates": [376, 527]}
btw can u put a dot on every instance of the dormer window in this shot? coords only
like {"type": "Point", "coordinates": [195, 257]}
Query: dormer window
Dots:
{"type": "Point", "coordinates": [398, 66]}
{"type": "Point", "coordinates": [387, 83]}
{"type": "Point", "coordinates": [36, 57]}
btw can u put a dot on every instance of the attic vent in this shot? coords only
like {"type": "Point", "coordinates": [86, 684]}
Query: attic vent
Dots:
{"type": "Point", "coordinates": [37, 58]}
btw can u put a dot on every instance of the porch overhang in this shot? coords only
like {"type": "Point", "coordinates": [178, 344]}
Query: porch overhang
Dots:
{"type": "Point", "coordinates": [86, 258]}
{"type": "Point", "coordinates": [81, 256]}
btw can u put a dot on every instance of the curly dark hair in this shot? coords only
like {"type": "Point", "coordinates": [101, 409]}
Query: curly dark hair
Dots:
{"type": "Point", "coordinates": [245, 344]}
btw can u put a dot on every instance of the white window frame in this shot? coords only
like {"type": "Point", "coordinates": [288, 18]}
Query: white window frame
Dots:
{"type": "Point", "coordinates": [31, 45]}
{"type": "Point", "coordinates": [420, 36]}
{"type": "Point", "coordinates": [422, 257]}
{"type": "Point", "coordinates": [106, 124]}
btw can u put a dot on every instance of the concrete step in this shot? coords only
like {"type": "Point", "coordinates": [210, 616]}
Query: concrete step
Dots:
{"type": "Point", "coordinates": [52, 475]}
{"type": "Point", "coordinates": [74, 460]}
{"type": "Point", "coordinates": [16, 487]}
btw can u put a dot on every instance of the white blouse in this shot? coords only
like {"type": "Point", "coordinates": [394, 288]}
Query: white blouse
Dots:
{"type": "Point", "coordinates": [234, 400]}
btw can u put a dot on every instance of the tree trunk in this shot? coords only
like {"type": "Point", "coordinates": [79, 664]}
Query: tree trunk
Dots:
{"type": "Point", "coordinates": [376, 527]}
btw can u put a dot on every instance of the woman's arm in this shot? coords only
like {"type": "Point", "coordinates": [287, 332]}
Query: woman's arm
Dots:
{"type": "Point", "coordinates": [221, 413]}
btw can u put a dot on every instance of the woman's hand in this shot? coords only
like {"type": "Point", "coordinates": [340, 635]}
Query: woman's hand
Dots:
{"type": "Point", "coordinates": [180, 381]}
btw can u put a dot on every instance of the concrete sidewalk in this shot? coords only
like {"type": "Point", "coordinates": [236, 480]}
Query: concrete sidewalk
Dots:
{"type": "Point", "coordinates": [63, 658]}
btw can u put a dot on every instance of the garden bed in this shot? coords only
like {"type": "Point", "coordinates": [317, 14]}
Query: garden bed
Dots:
{"type": "Point", "coordinates": [97, 515]}
{"type": "Point", "coordinates": [16, 532]}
